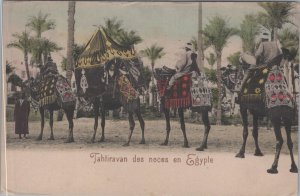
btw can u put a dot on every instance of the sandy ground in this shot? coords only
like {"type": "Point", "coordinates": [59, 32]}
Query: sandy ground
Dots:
{"type": "Point", "coordinates": [221, 138]}
{"type": "Point", "coordinates": [55, 168]}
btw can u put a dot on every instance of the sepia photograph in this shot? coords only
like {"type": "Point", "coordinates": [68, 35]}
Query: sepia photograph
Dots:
{"type": "Point", "coordinates": [150, 98]}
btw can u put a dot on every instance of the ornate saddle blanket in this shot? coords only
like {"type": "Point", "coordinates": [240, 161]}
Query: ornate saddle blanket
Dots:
{"type": "Point", "coordinates": [180, 95]}
{"type": "Point", "coordinates": [190, 90]}
{"type": "Point", "coordinates": [200, 92]}
{"type": "Point", "coordinates": [253, 91]}
{"type": "Point", "coordinates": [126, 89]}
{"type": "Point", "coordinates": [53, 88]}
{"type": "Point", "coordinates": [276, 88]}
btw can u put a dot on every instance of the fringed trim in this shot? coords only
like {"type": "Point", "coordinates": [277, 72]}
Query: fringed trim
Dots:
{"type": "Point", "coordinates": [47, 100]}
{"type": "Point", "coordinates": [178, 103]}
{"type": "Point", "coordinates": [252, 98]}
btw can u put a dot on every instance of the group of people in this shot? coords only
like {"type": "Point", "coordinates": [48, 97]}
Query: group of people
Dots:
{"type": "Point", "coordinates": [268, 53]}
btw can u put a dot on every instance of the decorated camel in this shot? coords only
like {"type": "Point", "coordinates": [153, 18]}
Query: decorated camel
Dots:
{"type": "Point", "coordinates": [189, 91]}
{"type": "Point", "coordinates": [109, 76]}
{"type": "Point", "coordinates": [266, 93]}
{"type": "Point", "coordinates": [49, 91]}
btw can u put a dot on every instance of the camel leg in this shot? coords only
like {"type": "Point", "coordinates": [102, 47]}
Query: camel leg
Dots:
{"type": "Point", "coordinates": [255, 136]}
{"type": "Point", "coordinates": [70, 114]}
{"type": "Point", "coordinates": [131, 125]}
{"type": "Point", "coordinates": [40, 137]}
{"type": "Point", "coordinates": [168, 127]}
{"type": "Point", "coordinates": [244, 115]}
{"type": "Point", "coordinates": [287, 123]}
{"type": "Point", "coordinates": [205, 120]}
{"type": "Point", "coordinates": [102, 139]}
{"type": "Point", "coordinates": [182, 123]}
{"type": "Point", "coordinates": [96, 110]}
{"type": "Point", "coordinates": [51, 125]}
{"type": "Point", "coordinates": [276, 124]}
{"type": "Point", "coordinates": [142, 124]}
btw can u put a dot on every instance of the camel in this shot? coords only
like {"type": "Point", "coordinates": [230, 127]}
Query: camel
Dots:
{"type": "Point", "coordinates": [163, 76]}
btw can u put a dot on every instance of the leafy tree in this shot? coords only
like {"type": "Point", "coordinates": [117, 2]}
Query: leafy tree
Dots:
{"type": "Point", "coordinates": [217, 32]}
{"type": "Point", "coordinates": [114, 29]}
{"type": "Point", "coordinates": [153, 54]}
{"type": "Point", "coordinates": [40, 23]}
{"type": "Point", "coordinates": [9, 68]}
{"type": "Point", "coordinates": [289, 40]}
{"type": "Point", "coordinates": [275, 16]}
{"type": "Point", "coordinates": [146, 72]}
{"type": "Point", "coordinates": [129, 38]}
{"type": "Point", "coordinates": [22, 42]}
{"type": "Point", "coordinates": [249, 29]}
{"type": "Point", "coordinates": [211, 59]}
{"type": "Point", "coordinates": [211, 75]}
{"type": "Point", "coordinates": [234, 59]}
{"type": "Point", "coordinates": [47, 47]}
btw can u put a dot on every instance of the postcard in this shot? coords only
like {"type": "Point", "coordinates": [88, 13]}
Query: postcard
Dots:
{"type": "Point", "coordinates": [149, 98]}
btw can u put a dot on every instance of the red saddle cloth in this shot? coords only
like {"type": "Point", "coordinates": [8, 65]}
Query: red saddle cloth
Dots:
{"type": "Point", "coordinates": [180, 95]}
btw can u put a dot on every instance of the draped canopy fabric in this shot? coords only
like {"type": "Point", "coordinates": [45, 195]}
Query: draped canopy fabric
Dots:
{"type": "Point", "coordinates": [101, 49]}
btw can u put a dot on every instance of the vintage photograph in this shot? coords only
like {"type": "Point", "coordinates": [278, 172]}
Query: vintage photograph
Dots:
{"type": "Point", "coordinates": [150, 98]}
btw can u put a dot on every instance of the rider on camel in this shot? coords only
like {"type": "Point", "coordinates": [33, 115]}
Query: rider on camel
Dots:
{"type": "Point", "coordinates": [268, 53]}
{"type": "Point", "coordinates": [184, 65]}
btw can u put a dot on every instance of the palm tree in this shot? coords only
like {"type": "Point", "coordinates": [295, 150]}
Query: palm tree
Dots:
{"type": "Point", "coordinates": [113, 27]}
{"type": "Point", "coordinates": [249, 29]}
{"type": "Point", "coordinates": [47, 47]}
{"type": "Point", "coordinates": [200, 57]}
{"type": "Point", "coordinates": [77, 50]}
{"type": "Point", "coordinates": [276, 14]}
{"type": "Point", "coordinates": [23, 43]}
{"type": "Point", "coordinates": [68, 63]}
{"type": "Point", "coordinates": [9, 68]}
{"type": "Point", "coordinates": [129, 38]}
{"type": "Point", "coordinates": [153, 54]}
{"type": "Point", "coordinates": [234, 59]}
{"type": "Point", "coordinates": [39, 24]}
{"type": "Point", "coordinates": [217, 32]}
{"type": "Point", "coordinates": [71, 24]}
{"type": "Point", "coordinates": [211, 59]}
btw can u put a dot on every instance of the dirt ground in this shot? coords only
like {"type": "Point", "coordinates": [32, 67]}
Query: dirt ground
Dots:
{"type": "Point", "coordinates": [221, 138]}
{"type": "Point", "coordinates": [56, 168]}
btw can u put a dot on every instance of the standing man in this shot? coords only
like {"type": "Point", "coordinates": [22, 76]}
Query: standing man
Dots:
{"type": "Point", "coordinates": [21, 114]}
{"type": "Point", "coordinates": [186, 63]}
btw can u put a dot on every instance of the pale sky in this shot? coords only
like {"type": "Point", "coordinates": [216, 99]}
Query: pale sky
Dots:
{"type": "Point", "coordinates": [170, 25]}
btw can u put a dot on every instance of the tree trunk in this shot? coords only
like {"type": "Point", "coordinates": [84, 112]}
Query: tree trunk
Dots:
{"type": "Point", "coordinates": [70, 44]}
{"type": "Point", "coordinates": [152, 86]}
{"type": "Point", "coordinates": [200, 57]}
{"type": "Point", "coordinates": [71, 23]}
{"type": "Point", "coordinates": [275, 36]}
{"type": "Point", "coordinates": [26, 65]}
{"type": "Point", "coordinates": [219, 84]}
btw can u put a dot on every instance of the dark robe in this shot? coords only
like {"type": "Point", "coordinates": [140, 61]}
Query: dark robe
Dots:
{"type": "Point", "coordinates": [21, 115]}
